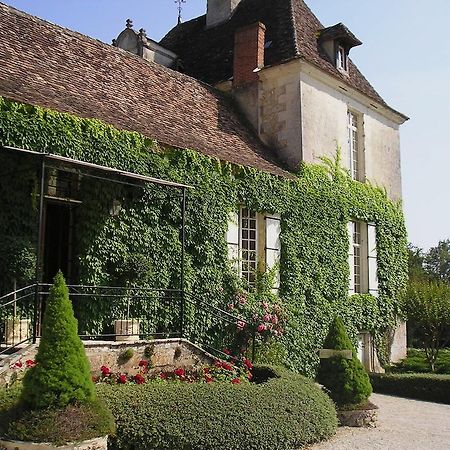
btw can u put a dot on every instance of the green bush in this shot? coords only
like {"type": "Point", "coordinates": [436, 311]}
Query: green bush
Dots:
{"type": "Point", "coordinates": [62, 374]}
{"type": "Point", "coordinates": [58, 426]}
{"type": "Point", "coordinates": [284, 414]}
{"type": "Point", "coordinates": [428, 387]}
{"type": "Point", "coordinates": [346, 379]}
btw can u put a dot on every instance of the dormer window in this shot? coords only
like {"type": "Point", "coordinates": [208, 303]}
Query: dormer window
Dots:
{"type": "Point", "coordinates": [336, 42]}
{"type": "Point", "coordinates": [341, 58]}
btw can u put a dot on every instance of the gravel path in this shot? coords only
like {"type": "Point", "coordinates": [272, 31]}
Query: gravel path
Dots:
{"type": "Point", "coordinates": [403, 424]}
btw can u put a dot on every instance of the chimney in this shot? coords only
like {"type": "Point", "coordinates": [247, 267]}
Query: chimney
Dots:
{"type": "Point", "coordinates": [219, 11]}
{"type": "Point", "coordinates": [248, 53]}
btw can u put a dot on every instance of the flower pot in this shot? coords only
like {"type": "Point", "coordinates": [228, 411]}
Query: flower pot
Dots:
{"type": "Point", "coordinates": [126, 330]}
{"type": "Point", "coordinates": [91, 444]}
{"type": "Point", "coordinates": [17, 330]}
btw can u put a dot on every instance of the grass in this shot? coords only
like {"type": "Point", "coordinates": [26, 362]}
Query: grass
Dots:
{"type": "Point", "coordinates": [416, 362]}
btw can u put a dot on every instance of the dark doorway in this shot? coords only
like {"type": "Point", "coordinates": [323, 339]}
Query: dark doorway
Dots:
{"type": "Point", "coordinates": [58, 240]}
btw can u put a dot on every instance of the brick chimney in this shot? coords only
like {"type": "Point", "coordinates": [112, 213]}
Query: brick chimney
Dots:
{"type": "Point", "coordinates": [249, 44]}
{"type": "Point", "coordinates": [219, 11]}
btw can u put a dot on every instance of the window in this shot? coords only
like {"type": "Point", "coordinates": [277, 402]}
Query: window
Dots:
{"type": "Point", "coordinates": [341, 58]}
{"type": "Point", "coordinates": [355, 146]}
{"type": "Point", "coordinates": [362, 258]}
{"type": "Point", "coordinates": [253, 238]}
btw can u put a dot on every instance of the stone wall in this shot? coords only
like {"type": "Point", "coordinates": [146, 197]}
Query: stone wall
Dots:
{"type": "Point", "coordinates": [164, 354]}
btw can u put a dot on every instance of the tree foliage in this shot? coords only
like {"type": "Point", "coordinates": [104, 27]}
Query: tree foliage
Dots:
{"type": "Point", "coordinates": [62, 373]}
{"type": "Point", "coordinates": [426, 305]}
{"type": "Point", "coordinates": [437, 261]}
{"type": "Point", "coordinates": [346, 379]}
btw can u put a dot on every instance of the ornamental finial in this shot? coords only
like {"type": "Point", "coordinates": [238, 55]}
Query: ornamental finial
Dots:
{"type": "Point", "coordinates": [129, 23]}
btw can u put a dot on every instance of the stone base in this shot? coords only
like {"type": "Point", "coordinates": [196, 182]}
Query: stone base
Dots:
{"type": "Point", "coordinates": [91, 444]}
{"type": "Point", "coordinates": [359, 417]}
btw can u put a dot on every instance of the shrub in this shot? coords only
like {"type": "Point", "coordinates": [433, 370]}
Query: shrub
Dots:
{"type": "Point", "coordinates": [428, 387]}
{"type": "Point", "coordinates": [126, 355]}
{"type": "Point", "coordinates": [61, 375]}
{"type": "Point", "coordinates": [284, 414]}
{"type": "Point", "coordinates": [58, 426]}
{"type": "Point", "coordinates": [346, 379]}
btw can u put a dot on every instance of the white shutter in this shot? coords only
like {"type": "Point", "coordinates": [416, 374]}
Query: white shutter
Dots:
{"type": "Point", "coordinates": [351, 259]}
{"type": "Point", "coordinates": [233, 239]}
{"type": "Point", "coordinates": [273, 245]}
{"type": "Point", "coordinates": [372, 259]}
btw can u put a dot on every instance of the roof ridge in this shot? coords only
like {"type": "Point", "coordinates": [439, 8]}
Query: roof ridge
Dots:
{"type": "Point", "coordinates": [294, 33]}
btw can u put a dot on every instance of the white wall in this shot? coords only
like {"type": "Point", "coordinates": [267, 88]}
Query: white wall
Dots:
{"type": "Point", "coordinates": [324, 124]}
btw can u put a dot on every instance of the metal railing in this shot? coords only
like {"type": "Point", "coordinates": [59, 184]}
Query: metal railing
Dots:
{"type": "Point", "coordinates": [125, 313]}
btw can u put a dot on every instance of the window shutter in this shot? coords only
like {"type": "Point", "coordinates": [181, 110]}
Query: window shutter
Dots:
{"type": "Point", "coordinates": [372, 259]}
{"type": "Point", "coordinates": [273, 245]}
{"type": "Point", "coordinates": [351, 259]}
{"type": "Point", "coordinates": [233, 239]}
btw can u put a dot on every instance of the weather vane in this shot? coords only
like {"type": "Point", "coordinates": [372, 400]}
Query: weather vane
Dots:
{"type": "Point", "coordinates": [180, 8]}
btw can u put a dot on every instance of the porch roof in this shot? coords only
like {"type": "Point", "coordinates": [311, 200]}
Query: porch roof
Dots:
{"type": "Point", "coordinates": [61, 162]}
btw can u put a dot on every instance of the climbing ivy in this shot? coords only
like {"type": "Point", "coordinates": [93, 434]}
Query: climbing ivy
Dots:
{"type": "Point", "coordinates": [315, 209]}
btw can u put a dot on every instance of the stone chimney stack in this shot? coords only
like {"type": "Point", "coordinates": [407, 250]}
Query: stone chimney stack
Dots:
{"type": "Point", "coordinates": [248, 54]}
{"type": "Point", "coordinates": [219, 11]}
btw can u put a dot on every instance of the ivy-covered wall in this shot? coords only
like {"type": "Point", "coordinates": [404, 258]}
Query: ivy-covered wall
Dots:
{"type": "Point", "coordinates": [315, 210]}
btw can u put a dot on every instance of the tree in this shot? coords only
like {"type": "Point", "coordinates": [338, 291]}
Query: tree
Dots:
{"type": "Point", "coordinates": [437, 261]}
{"type": "Point", "coordinates": [416, 262]}
{"type": "Point", "coordinates": [346, 379]}
{"type": "Point", "coordinates": [62, 374]}
{"type": "Point", "coordinates": [426, 305]}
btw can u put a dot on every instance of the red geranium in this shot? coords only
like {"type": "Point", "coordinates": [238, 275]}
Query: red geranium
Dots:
{"type": "Point", "coordinates": [218, 364]}
{"type": "Point", "coordinates": [163, 376]}
{"type": "Point", "coordinates": [122, 379]}
{"type": "Point", "coordinates": [30, 363]}
{"type": "Point", "coordinates": [139, 379]}
{"type": "Point", "coordinates": [236, 381]}
{"type": "Point", "coordinates": [208, 378]}
{"type": "Point", "coordinates": [248, 364]}
{"type": "Point", "coordinates": [227, 352]}
{"type": "Point", "coordinates": [106, 371]}
{"type": "Point", "coordinates": [180, 372]}
{"type": "Point", "coordinates": [143, 363]}
{"type": "Point", "coordinates": [227, 366]}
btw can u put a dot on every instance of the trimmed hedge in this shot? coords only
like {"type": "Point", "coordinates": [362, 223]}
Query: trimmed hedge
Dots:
{"type": "Point", "coordinates": [429, 387]}
{"type": "Point", "coordinates": [284, 413]}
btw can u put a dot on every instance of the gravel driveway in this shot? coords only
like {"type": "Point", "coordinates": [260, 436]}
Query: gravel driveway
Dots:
{"type": "Point", "coordinates": [403, 424]}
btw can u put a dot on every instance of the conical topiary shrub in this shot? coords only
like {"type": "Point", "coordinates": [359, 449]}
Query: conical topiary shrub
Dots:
{"type": "Point", "coordinates": [62, 374]}
{"type": "Point", "coordinates": [346, 379]}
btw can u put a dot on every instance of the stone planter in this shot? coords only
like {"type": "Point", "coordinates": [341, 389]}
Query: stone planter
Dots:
{"type": "Point", "coordinates": [366, 416]}
{"type": "Point", "coordinates": [17, 330]}
{"type": "Point", "coordinates": [91, 444]}
{"type": "Point", "coordinates": [127, 330]}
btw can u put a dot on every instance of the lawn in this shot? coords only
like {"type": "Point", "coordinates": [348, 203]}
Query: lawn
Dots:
{"type": "Point", "coordinates": [417, 363]}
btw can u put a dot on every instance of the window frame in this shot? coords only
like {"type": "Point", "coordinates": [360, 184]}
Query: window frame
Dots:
{"type": "Point", "coordinates": [341, 58]}
{"type": "Point", "coordinates": [356, 145]}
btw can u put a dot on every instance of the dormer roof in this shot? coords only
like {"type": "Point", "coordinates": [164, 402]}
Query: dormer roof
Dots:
{"type": "Point", "coordinates": [291, 29]}
{"type": "Point", "coordinates": [339, 33]}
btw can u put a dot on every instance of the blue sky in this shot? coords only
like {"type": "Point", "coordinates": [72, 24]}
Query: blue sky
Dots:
{"type": "Point", "coordinates": [405, 56]}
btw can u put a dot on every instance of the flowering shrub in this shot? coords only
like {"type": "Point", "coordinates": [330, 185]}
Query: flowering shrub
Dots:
{"type": "Point", "coordinates": [263, 314]}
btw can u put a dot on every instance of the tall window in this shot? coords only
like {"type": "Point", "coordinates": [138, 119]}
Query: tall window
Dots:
{"type": "Point", "coordinates": [355, 146]}
{"type": "Point", "coordinates": [356, 243]}
{"type": "Point", "coordinates": [253, 238]}
{"type": "Point", "coordinates": [249, 244]}
{"type": "Point", "coordinates": [362, 258]}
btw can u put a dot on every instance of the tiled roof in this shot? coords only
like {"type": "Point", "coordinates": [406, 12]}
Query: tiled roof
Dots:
{"type": "Point", "coordinates": [44, 64]}
{"type": "Point", "coordinates": [291, 27]}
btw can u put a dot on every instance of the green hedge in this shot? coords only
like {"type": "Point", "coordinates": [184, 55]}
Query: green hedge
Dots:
{"type": "Point", "coordinates": [284, 414]}
{"type": "Point", "coordinates": [429, 387]}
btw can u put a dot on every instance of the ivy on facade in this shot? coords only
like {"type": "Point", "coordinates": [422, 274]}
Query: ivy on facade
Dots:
{"type": "Point", "coordinates": [314, 208]}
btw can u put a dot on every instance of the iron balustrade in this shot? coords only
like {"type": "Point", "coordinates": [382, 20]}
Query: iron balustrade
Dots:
{"type": "Point", "coordinates": [126, 313]}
